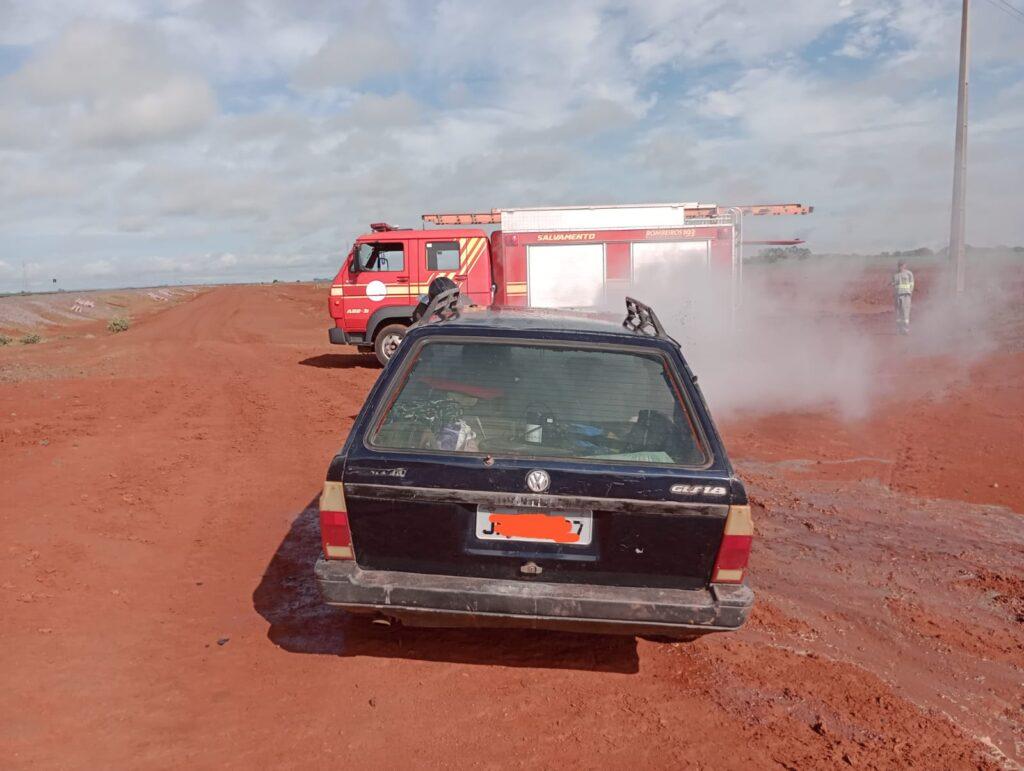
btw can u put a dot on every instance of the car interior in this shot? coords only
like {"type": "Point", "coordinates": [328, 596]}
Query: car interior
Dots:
{"type": "Point", "coordinates": [540, 400]}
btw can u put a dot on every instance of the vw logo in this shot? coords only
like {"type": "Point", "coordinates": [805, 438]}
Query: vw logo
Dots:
{"type": "Point", "coordinates": [538, 480]}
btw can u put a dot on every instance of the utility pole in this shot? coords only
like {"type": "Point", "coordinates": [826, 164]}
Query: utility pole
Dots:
{"type": "Point", "coordinates": [958, 217]}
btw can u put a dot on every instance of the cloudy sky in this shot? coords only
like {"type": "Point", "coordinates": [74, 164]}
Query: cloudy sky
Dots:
{"type": "Point", "coordinates": [151, 142]}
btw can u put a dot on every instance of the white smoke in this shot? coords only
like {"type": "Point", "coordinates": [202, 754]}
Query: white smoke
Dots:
{"type": "Point", "coordinates": [820, 334]}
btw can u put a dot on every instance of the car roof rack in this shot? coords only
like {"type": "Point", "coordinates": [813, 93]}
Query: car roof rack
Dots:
{"type": "Point", "coordinates": [642, 319]}
{"type": "Point", "coordinates": [443, 307]}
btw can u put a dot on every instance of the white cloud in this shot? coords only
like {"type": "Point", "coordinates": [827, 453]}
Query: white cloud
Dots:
{"type": "Point", "coordinates": [862, 42]}
{"type": "Point", "coordinates": [248, 140]}
{"type": "Point", "coordinates": [175, 107]}
{"type": "Point", "coordinates": [687, 34]}
{"type": "Point", "coordinates": [349, 58]}
{"type": "Point", "coordinates": [787, 104]}
{"type": "Point", "coordinates": [98, 268]}
{"type": "Point", "coordinates": [720, 104]}
{"type": "Point", "coordinates": [113, 84]}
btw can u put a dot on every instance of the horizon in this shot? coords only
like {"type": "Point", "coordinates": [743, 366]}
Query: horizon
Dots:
{"type": "Point", "coordinates": [750, 255]}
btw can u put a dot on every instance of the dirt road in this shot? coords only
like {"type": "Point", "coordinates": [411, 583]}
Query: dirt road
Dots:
{"type": "Point", "coordinates": [159, 525]}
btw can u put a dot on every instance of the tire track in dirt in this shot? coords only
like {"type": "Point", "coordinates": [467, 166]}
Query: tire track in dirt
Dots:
{"type": "Point", "coordinates": [886, 582]}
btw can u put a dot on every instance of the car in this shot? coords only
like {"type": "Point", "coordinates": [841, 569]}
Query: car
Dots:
{"type": "Point", "coordinates": [538, 469]}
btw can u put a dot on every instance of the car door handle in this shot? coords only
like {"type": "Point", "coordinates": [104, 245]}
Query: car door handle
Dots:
{"type": "Point", "coordinates": [461, 276]}
{"type": "Point", "coordinates": [402, 279]}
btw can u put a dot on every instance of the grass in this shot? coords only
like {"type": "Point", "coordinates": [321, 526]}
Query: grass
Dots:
{"type": "Point", "coordinates": [30, 339]}
{"type": "Point", "coordinates": [118, 324]}
{"type": "Point", "coordinates": [5, 340]}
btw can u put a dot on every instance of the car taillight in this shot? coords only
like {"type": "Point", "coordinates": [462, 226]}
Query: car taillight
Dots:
{"type": "Point", "coordinates": [735, 548]}
{"type": "Point", "coordinates": [334, 530]}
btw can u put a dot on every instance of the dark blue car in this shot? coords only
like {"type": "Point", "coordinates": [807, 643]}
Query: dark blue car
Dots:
{"type": "Point", "coordinates": [540, 469]}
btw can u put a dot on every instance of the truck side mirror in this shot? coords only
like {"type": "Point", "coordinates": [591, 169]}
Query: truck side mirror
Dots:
{"type": "Point", "coordinates": [353, 263]}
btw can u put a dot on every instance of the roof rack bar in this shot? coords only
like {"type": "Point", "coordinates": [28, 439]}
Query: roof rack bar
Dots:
{"type": "Point", "coordinates": [642, 319]}
{"type": "Point", "coordinates": [444, 306]}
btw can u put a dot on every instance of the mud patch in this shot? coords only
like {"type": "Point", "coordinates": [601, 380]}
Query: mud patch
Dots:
{"type": "Point", "coordinates": [1006, 591]}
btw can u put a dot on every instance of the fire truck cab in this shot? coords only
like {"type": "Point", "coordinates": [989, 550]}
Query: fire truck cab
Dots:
{"type": "Point", "coordinates": [387, 271]}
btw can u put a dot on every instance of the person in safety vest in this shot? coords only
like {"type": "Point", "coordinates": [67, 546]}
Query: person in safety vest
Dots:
{"type": "Point", "coordinates": [903, 289]}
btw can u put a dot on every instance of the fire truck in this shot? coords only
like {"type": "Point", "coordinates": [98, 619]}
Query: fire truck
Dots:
{"type": "Point", "coordinates": [553, 257]}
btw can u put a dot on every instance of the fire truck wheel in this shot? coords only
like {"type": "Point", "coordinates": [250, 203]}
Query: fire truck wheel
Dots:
{"type": "Point", "coordinates": [387, 342]}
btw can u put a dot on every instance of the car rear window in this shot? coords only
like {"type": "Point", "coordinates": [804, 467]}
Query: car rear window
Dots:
{"type": "Point", "coordinates": [538, 400]}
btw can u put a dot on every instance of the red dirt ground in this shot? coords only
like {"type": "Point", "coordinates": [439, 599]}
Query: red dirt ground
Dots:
{"type": "Point", "coordinates": [159, 528]}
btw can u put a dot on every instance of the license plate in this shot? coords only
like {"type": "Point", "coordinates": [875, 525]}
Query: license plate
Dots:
{"type": "Point", "coordinates": [574, 528]}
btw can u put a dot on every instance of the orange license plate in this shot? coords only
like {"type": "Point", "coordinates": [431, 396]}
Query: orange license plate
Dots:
{"type": "Point", "coordinates": [568, 527]}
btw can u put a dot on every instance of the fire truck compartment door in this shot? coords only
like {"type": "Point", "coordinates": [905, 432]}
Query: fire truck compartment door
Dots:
{"type": "Point", "coordinates": [565, 276]}
{"type": "Point", "coordinates": [654, 262]}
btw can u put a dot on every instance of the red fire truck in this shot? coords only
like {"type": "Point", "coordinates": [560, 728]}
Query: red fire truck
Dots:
{"type": "Point", "coordinates": [556, 257]}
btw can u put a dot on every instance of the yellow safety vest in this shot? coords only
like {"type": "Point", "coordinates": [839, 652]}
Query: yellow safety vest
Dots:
{"type": "Point", "coordinates": [904, 283]}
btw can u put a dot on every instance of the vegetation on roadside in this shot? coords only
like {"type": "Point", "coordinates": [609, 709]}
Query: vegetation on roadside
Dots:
{"type": "Point", "coordinates": [30, 339]}
{"type": "Point", "coordinates": [118, 324]}
{"type": "Point", "coordinates": [5, 340]}
{"type": "Point", "coordinates": [778, 253]}
{"type": "Point", "coordinates": [921, 255]}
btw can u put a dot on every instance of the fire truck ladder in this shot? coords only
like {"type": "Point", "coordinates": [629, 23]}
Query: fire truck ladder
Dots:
{"type": "Point", "coordinates": [493, 217]}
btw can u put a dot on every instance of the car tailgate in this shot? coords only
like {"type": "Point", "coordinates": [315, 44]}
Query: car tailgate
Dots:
{"type": "Point", "coordinates": [404, 517]}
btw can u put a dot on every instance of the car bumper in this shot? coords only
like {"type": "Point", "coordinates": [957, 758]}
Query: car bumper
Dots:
{"type": "Point", "coordinates": [420, 599]}
{"type": "Point", "coordinates": [339, 336]}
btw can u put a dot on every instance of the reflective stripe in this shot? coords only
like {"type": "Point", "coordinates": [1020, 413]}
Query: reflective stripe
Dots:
{"type": "Point", "coordinates": [333, 497]}
{"type": "Point", "coordinates": [739, 521]}
{"type": "Point", "coordinates": [392, 289]}
{"type": "Point", "coordinates": [471, 254]}
{"type": "Point", "coordinates": [728, 576]}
